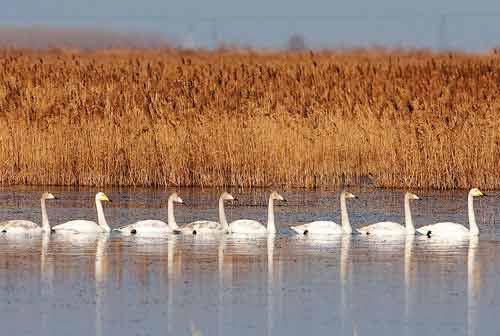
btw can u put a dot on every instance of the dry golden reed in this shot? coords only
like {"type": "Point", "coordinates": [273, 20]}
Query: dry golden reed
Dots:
{"type": "Point", "coordinates": [172, 118]}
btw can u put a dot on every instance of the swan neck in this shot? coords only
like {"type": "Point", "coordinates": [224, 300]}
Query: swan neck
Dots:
{"type": "Point", "coordinates": [344, 216]}
{"type": "Point", "coordinates": [222, 216]}
{"type": "Point", "coordinates": [45, 218]}
{"type": "Point", "coordinates": [472, 216]}
{"type": "Point", "coordinates": [271, 226]}
{"type": "Point", "coordinates": [410, 228]}
{"type": "Point", "coordinates": [101, 220]}
{"type": "Point", "coordinates": [170, 213]}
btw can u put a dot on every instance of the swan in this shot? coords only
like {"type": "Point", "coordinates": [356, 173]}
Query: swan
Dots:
{"type": "Point", "coordinates": [329, 227]}
{"type": "Point", "coordinates": [153, 226]}
{"type": "Point", "coordinates": [252, 226]}
{"type": "Point", "coordinates": [86, 226]}
{"type": "Point", "coordinates": [455, 229]}
{"type": "Point", "coordinates": [391, 228]}
{"type": "Point", "coordinates": [24, 226]}
{"type": "Point", "coordinates": [205, 226]}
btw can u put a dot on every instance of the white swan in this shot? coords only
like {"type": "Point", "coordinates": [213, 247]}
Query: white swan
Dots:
{"type": "Point", "coordinates": [204, 226]}
{"type": "Point", "coordinates": [329, 227]}
{"type": "Point", "coordinates": [252, 226]}
{"type": "Point", "coordinates": [153, 226]}
{"type": "Point", "coordinates": [455, 229]}
{"type": "Point", "coordinates": [24, 226]}
{"type": "Point", "coordinates": [392, 228]}
{"type": "Point", "coordinates": [86, 226]}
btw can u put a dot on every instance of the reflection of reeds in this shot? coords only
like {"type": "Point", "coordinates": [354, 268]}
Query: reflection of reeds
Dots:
{"type": "Point", "coordinates": [248, 119]}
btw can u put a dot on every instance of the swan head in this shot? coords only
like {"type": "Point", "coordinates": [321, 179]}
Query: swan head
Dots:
{"type": "Point", "coordinates": [227, 196]}
{"type": "Point", "coordinates": [277, 197]}
{"type": "Point", "coordinates": [48, 196]}
{"type": "Point", "coordinates": [476, 192]}
{"type": "Point", "coordinates": [347, 194]}
{"type": "Point", "coordinates": [100, 196]}
{"type": "Point", "coordinates": [175, 198]}
{"type": "Point", "coordinates": [411, 196]}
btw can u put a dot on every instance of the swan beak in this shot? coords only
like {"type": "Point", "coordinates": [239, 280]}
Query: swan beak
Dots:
{"type": "Point", "coordinates": [105, 198]}
{"type": "Point", "coordinates": [285, 200]}
{"type": "Point", "coordinates": [235, 199]}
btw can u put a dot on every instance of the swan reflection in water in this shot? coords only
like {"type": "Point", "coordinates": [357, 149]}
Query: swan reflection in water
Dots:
{"type": "Point", "coordinates": [344, 278]}
{"type": "Point", "coordinates": [442, 247]}
{"type": "Point", "coordinates": [77, 244]}
{"type": "Point", "coordinates": [220, 296]}
{"type": "Point", "coordinates": [171, 282]}
{"type": "Point", "coordinates": [47, 280]}
{"type": "Point", "coordinates": [331, 245]}
{"type": "Point", "coordinates": [473, 286]}
{"type": "Point", "coordinates": [270, 284]}
{"type": "Point", "coordinates": [408, 253]}
{"type": "Point", "coordinates": [101, 276]}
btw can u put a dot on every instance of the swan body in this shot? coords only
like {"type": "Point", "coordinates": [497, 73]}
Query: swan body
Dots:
{"type": "Point", "coordinates": [392, 228]}
{"type": "Point", "coordinates": [319, 227]}
{"type": "Point", "coordinates": [201, 226]}
{"type": "Point", "coordinates": [255, 227]}
{"type": "Point", "coordinates": [444, 228]}
{"type": "Point", "coordinates": [146, 226]}
{"type": "Point", "coordinates": [205, 226]}
{"type": "Point", "coordinates": [78, 226]}
{"type": "Point", "coordinates": [86, 226]}
{"type": "Point", "coordinates": [247, 226]}
{"type": "Point", "coordinates": [153, 226]}
{"type": "Point", "coordinates": [454, 229]}
{"type": "Point", "coordinates": [329, 227]}
{"type": "Point", "coordinates": [23, 226]}
{"type": "Point", "coordinates": [383, 228]}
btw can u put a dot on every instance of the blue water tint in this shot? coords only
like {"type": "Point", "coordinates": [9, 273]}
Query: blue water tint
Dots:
{"type": "Point", "coordinates": [258, 285]}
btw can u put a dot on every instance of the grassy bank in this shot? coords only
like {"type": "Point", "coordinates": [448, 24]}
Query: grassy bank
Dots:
{"type": "Point", "coordinates": [248, 119]}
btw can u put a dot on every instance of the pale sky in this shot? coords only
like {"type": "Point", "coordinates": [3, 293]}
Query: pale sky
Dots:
{"type": "Point", "coordinates": [468, 24]}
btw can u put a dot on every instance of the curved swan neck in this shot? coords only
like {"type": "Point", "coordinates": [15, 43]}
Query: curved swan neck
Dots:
{"type": "Point", "coordinates": [45, 218]}
{"type": "Point", "coordinates": [222, 215]}
{"type": "Point", "coordinates": [170, 213]}
{"type": "Point", "coordinates": [271, 226]}
{"type": "Point", "coordinates": [344, 216]}
{"type": "Point", "coordinates": [101, 220]}
{"type": "Point", "coordinates": [410, 228]}
{"type": "Point", "coordinates": [472, 216]}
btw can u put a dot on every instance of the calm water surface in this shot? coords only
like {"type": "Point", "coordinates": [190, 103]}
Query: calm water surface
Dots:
{"type": "Point", "coordinates": [227, 285]}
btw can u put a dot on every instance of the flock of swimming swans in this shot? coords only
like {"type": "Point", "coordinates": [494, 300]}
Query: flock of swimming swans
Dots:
{"type": "Point", "coordinates": [246, 226]}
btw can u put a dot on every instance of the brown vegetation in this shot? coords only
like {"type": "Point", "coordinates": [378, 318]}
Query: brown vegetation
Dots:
{"type": "Point", "coordinates": [412, 119]}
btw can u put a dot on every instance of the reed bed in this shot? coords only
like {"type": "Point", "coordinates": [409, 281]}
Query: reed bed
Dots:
{"type": "Point", "coordinates": [248, 119]}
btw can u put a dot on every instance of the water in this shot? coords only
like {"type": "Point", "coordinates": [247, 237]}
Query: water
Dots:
{"type": "Point", "coordinates": [227, 285]}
